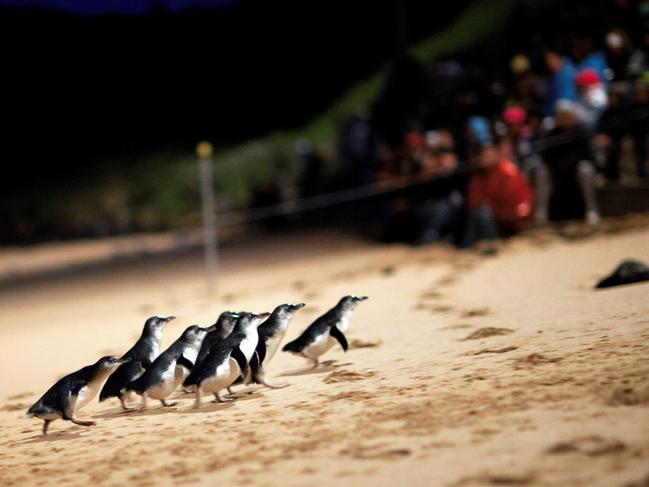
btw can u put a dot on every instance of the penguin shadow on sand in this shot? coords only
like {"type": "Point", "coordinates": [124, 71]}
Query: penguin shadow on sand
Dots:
{"type": "Point", "coordinates": [325, 366]}
{"type": "Point", "coordinates": [208, 407]}
{"type": "Point", "coordinates": [137, 411]}
{"type": "Point", "coordinates": [247, 394]}
{"type": "Point", "coordinates": [62, 435]}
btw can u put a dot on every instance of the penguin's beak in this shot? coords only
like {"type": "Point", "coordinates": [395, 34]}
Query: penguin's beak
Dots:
{"type": "Point", "coordinates": [298, 306]}
{"type": "Point", "coordinates": [210, 329]}
{"type": "Point", "coordinates": [123, 360]}
{"type": "Point", "coordinates": [168, 319]}
{"type": "Point", "coordinates": [359, 298]}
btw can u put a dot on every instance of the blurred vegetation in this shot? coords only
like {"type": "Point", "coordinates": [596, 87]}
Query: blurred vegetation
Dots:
{"type": "Point", "coordinates": [161, 191]}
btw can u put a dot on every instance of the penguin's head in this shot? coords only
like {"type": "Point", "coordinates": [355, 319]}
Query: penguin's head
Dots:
{"type": "Point", "coordinates": [225, 323]}
{"type": "Point", "coordinates": [111, 362]}
{"type": "Point", "coordinates": [351, 301]}
{"type": "Point", "coordinates": [284, 311]}
{"type": "Point", "coordinates": [156, 323]}
{"type": "Point", "coordinates": [247, 320]}
{"type": "Point", "coordinates": [194, 334]}
{"type": "Point", "coordinates": [258, 318]}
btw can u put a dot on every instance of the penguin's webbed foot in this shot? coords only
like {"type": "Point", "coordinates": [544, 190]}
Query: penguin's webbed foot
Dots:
{"type": "Point", "coordinates": [82, 422]}
{"type": "Point", "coordinates": [125, 407]}
{"type": "Point", "coordinates": [275, 386]}
{"type": "Point", "coordinates": [219, 398]}
{"type": "Point", "coordinates": [167, 404]}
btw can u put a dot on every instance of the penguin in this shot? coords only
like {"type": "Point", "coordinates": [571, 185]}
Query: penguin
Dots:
{"type": "Point", "coordinates": [271, 332]}
{"type": "Point", "coordinates": [218, 332]}
{"type": "Point", "coordinates": [628, 272]}
{"type": "Point", "coordinates": [324, 332]}
{"type": "Point", "coordinates": [142, 354]}
{"type": "Point", "coordinates": [169, 370]}
{"type": "Point", "coordinates": [227, 360]}
{"type": "Point", "coordinates": [74, 391]}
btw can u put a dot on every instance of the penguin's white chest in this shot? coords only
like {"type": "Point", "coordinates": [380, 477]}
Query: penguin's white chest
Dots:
{"type": "Point", "coordinates": [343, 324]}
{"type": "Point", "coordinates": [88, 392]}
{"type": "Point", "coordinates": [318, 346]}
{"type": "Point", "coordinates": [226, 374]}
{"type": "Point", "coordinates": [272, 344]}
{"type": "Point", "coordinates": [180, 375]}
{"type": "Point", "coordinates": [248, 345]}
{"type": "Point", "coordinates": [191, 352]}
{"type": "Point", "coordinates": [166, 385]}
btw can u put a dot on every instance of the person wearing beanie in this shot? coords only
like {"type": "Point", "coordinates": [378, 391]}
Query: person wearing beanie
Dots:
{"type": "Point", "coordinates": [593, 99]}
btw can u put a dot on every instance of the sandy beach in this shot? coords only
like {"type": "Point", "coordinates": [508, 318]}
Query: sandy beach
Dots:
{"type": "Point", "coordinates": [463, 369]}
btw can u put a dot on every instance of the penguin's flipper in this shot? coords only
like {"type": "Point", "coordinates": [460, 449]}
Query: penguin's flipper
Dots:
{"type": "Point", "coordinates": [254, 367]}
{"type": "Point", "coordinates": [69, 405]}
{"type": "Point", "coordinates": [238, 355]}
{"type": "Point", "coordinates": [261, 350]}
{"type": "Point", "coordinates": [338, 335]}
{"type": "Point", "coordinates": [185, 362]}
{"type": "Point", "coordinates": [146, 363]}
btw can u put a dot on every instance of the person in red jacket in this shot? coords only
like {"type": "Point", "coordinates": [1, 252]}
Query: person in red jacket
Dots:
{"type": "Point", "coordinates": [500, 198]}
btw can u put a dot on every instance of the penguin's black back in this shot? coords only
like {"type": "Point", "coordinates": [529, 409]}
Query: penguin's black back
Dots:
{"type": "Point", "coordinates": [215, 357]}
{"type": "Point", "coordinates": [314, 330]}
{"type": "Point", "coordinates": [153, 375]}
{"type": "Point", "coordinates": [269, 327]}
{"type": "Point", "coordinates": [124, 374]}
{"type": "Point", "coordinates": [56, 398]}
{"type": "Point", "coordinates": [131, 370]}
{"type": "Point", "coordinates": [211, 340]}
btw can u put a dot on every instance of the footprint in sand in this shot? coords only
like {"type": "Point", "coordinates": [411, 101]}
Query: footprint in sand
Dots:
{"type": "Point", "coordinates": [17, 406]}
{"type": "Point", "coordinates": [495, 350]}
{"type": "Point", "coordinates": [434, 308]}
{"type": "Point", "coordinates": [589, 445]}
{"type": "Point", "coordinates": [475, 312]}
{"type": "Point", "coordinates": [375, 452]}
{"type": "Point", "coordinates": [347, 376]}
{"type": "Point", "coordinates": [535, 359]}
{"type": "Point", "coordinates": [21, 395]}
{"type": "Point", "coordinates": [356, 343]}
{"type": "Point", "coordinates": [388, 270]}
{"type": "Point", "coordinates": [431, 294]}
{"type": "Point", "coordinates": [629, 396]}
{"type": "Point", "coordinates": [497, 479]}
{"type": "Point", "coordinates": [486, 332]}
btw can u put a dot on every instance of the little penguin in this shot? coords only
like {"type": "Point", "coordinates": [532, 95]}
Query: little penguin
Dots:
{"type": "Point", "coordinates": [141, 355]}
{"type": "Point", "coordinates": [74, 391]}
{"type": "Point", "coordinates": [169, 370]}
{"type": "Point", "coordinates": [271, 332]}
{"type": "Point", "coordinates": [216, 333]}
{"type": "Point", "coordinates": [324, 332]}
{"type": "Point", "coordinates": [228, 359]}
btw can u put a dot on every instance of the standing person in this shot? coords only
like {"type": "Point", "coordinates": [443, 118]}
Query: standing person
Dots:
{"type": "Point", "coordinates": [568, 174]}
{"type": "Point", "coordinates": [562, 80]}
{"type": "Point", "coordinates": [613, 125]}
{"type": "Point", "coordinates": [500, 199]}
{"type": "Point", "coordinates": [593, 99]}
{"type": "Point", "coordinates": [640, 129]}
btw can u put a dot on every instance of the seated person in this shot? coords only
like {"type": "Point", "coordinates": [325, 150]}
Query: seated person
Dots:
{"type": "Point", "coordinates": [499, 198]}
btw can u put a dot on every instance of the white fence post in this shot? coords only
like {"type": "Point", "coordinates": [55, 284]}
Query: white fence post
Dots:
{"type": "Point", "coordinates": [204, 151]}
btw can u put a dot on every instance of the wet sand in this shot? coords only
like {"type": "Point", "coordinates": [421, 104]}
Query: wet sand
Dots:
{"type": "Point", "coordinates": [464, 370]}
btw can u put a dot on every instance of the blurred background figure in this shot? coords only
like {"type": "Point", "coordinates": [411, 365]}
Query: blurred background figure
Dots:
{"type": "Point", "coordinates": [500, 199]}
{"type": "Point", "coordinates": [568, 188]}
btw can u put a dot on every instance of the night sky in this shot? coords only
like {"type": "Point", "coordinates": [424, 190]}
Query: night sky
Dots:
{"type": "Point", "coordinates": [124, 7]}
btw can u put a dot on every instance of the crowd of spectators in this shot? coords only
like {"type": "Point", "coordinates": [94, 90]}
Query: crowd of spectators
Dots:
{"type": "Point", "coordinates": [531, 140]}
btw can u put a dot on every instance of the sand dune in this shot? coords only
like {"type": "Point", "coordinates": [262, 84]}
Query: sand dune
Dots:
{"type": "Point", "coordinates": [463, 370]}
